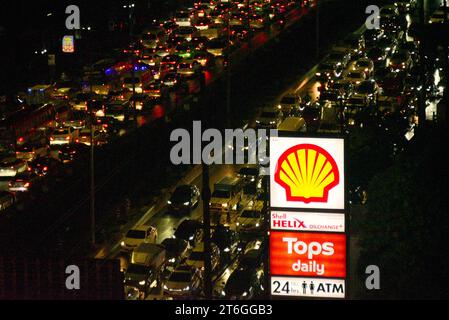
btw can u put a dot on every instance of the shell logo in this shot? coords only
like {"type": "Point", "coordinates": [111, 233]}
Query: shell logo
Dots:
{"type": "Point", "coordinates": [307, 173]}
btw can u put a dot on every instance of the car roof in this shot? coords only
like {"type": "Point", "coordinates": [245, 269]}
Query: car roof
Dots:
{"type": "Point", "coordinates": [142, 228]}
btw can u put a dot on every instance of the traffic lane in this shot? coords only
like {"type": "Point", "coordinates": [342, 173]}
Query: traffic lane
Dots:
{"type": "Point", "coordinates": [166, 222]}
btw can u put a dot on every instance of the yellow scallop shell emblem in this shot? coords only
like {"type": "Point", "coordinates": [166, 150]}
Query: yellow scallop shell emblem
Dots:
{"type": "Point", "coordinates": [307, 173]}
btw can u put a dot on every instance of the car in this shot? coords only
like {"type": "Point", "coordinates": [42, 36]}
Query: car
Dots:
{"type": "Point", "coordinates": [388, 44]}
{"type": "Point", "coordinates": [269, 118]}
{"type": "Point", "coordinates": [203, 57]}
{"type": "Point", "coordinates": [99, 137]}
{"type": "Point", "coordinates": [289, 103]}
{"type": "Point", "coordinates": [141, 102]}
{"type": "Point", "coordinates": [248, 173]}
{"type": "Point", "coordinates": [186, 32]}
{"type": "Point", "coordinates": [354, 76]}
{"type": "Point", "coordinates": [190, 230]}
{"type": "Point", "coordinates": [345, 88]}
{"type": "Point", "coordinates": [76, 120]}
{"type": "Point", "coordinates": [438, 17]}
{"type": "Point", "coordinates": [243, 284]}
{"type": "Point", "coordinates": [312, 117]}
{"type": "Point", "coordinates": [392, 84]}
{"type": "Point", "coordinates": [364, 64]}
{"type": "Point", "coordinates": [217, 47]}
{"type": "Point", "coordinates": [23, 182]}
{"type": "Point", "coordinates": [188, 68]}
{"type": "Point", "coordinates": [7, 199]}
{"type": "Point", "coordinates": [134, 237]}
{"type": "Point", "coordinates": [327, 70]}
{"type": "Point", "coordinates": [389, 11]}
{"type": "Point", "coordinates": [80, 102]}
{"type": "Point", "coordinates": [250, 220]}
{"type": "Point", "coordinates": [72, 151]}
{"type": "Point", "coordinates": [372, 36]}
{"type": "Point", "coordinates": [199, 42]}
{"type": "Point", "coordinates": [369, 88]}
{"type": "Point", "coordinates": [170, 62]}
{"type": "Point", "coordinates": [63, 135]}
{"type": "Point", "coordinates": [227, 241]}
{"type": "Point", "coordinates": [338, 57]}
{"type": "Point", "coordinates": [133, 83]}
{"type": "Point", "coordinates": [170, 79]}
{"type": "Point", "coordinates": [381, 72]}
{"type": "Point", "coordinates": [184, 198]}
{"type": "Point", "coordinates": [30, 152]}
{"type": "Point", "coordinates": [377, 55]}
{"type": "Point", "coordinates": [183, 281]}
{"type": "Point", "coordinates": [139, 276]}
{"type": "Point", "coordinates": [177, 251]}
{"type": "Point", "coordinates": [400, 61]}
{"type": "Point", "coordinates": [45, 165]}
{"type": "Point", "coordinates": [182, 18]}
{"type": "Point", "coordinates": [356, 43]}
{"type": "Point", "coordinates": [119, 110]}
{"type": "Point", "coordinates": [196, 257]}
{"type": "Point", "coordinates": [257, 21]}
{"type": "Point", "coordinates": [183, 50]}
{"type": "Point", "coordinates": [10, 167]}
{"type": "Point", "coordinates": [149, 40]}
{"type": "Point", "coordinates": [251, 259]}
{"type": "Point", "coordinates": [239, 32]}
{"type": "Point", "coordinates": [202, 23]}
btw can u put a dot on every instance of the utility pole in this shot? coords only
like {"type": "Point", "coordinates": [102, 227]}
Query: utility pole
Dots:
{"type": "Point", "coordinates": [317, 30]}
{"type": "Point", "coordinates": [267, 212]}
{"type": "Point", "coordinates": [228, 74]}
{"type": "Point", "coordinates": [206, 195]}
{"type": "Point", "coordinates": [422, 94]}
{"type": "Point", "coordinates": [92, 171]}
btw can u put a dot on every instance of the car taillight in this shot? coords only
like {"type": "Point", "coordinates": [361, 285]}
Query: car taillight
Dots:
{"type": "Point", "coordinates": [67, 138]}
{"type": "Point", "coordinates": [27, 185]}
{"type": "Point", "coordinates": [45, 169]}
{"type": "Point", "coordinates": [51, 138]}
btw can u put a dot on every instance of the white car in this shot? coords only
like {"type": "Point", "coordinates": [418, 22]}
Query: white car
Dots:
{"type": "Point", "coordinates": [196, 257]}
{"type": "Point", "coordinates": [12, 167]}
{"type": "Point", "coordinates": [134, 237]}
{"type": "Point", "coordinates": [354, 76]}
{"type": "Point", "coordinates": [364, 64]}
{"type": "Point", "coordinates": [269, 118]}
{"type": "Point", "coordinates": [184, 280]}
{"type": "Point", "coordinates": [63, 136]}
{"type": "Point", "coordinates": [250, 220]}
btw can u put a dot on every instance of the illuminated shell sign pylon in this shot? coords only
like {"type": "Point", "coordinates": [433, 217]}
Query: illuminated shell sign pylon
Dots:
{"type": "Point", "coordinates": [307, 172]}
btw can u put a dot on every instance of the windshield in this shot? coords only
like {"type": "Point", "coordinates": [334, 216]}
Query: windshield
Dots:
{"type": "Point", "coordinates": [61, 131]}
{"type": "Point", "coordinates": [250, 214]}
{"type": "Point", "coordinates": [197, 256]}
{"type": "Point", "coordinates": [136, 234]}
{"type": "Point", "coordinates": [288, 100]}
{"type": "Point", "coordinates": [180, 277]}
{"type": "Point", "coordinates": [182, 192]}
{"type": "Point", "coordinates": [137, 269]}
{"type": "Point", "coordinates": [363, 63]}
{"type": "Point", "coordinates": [366, 87]}
{"type": "Point", "coordinates": [221, 194]}
{"type": "Point", "coordinates": [268, 115]}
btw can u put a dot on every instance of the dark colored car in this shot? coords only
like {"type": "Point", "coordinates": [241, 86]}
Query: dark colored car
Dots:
{"type": "Point", "coordinates": [45, 165]}
{"type": "Point", "coordinates": [190, 230]}
{"type": "Point", "coordinates": [372, 36]}
{"type": "Point", "coordinates": [312, 117]}
{"type": "Point", "coordinates": [176, 250]}
{"type": "Point", "coordinates": [377, 55]}
{"type": "Point", "coordinates": [227, 241]}
{"type": "Point", "coordinates": [248, 173]}
{"type": "Point", "coordinates": [252, 259]}
{"type": "Point", "coordinates": [243, 284]}
{"type": "Point", "coordinates": [184, 198]}
{"type": "Point", "coordinates": [70, 152]}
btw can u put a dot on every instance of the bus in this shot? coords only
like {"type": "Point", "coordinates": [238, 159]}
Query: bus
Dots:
{"type": "Point", "coordinates": [29, 125]}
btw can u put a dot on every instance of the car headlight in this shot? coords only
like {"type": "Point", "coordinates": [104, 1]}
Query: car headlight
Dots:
{"type": "Point", "coordinates": [257, 225]}
{"type": "Point", "coordinates": [172, 260]}
{"type": "Point", "coordinates": [244, 294]}
{"type": "Point", "coordinates": [191, 238]}
{"type": "Point", "coordinates": [223, 293]}
{"type": "Point", "coordinates": [224, 205]}
{"type": "Point", "coordinates": [169, 202]}
{"type": "Point", "coordinates": [257, 121]}
{"type": "Point", "coordinates": [186, 203]}
{"type": "Point", "coordinates": [227, 250]}
{"type": "Point", "coordinates": [279, 107]}
{"type": "Point", "coordinates": [122, 243]}
{"type": "Point", "coordinates": [187, 289]}
{"type": "Point", "coordinates": [142, 283]}
{"type": "Point", "coordinates": [165, 287]}
{"type": "Point", "coordinates": [238, 224]}
{"type": "Point", "coordinates": [318, 74]}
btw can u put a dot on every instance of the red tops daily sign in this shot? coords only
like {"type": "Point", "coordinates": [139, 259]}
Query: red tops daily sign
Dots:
{"type": "Point", "coordinates": [308, 254]}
